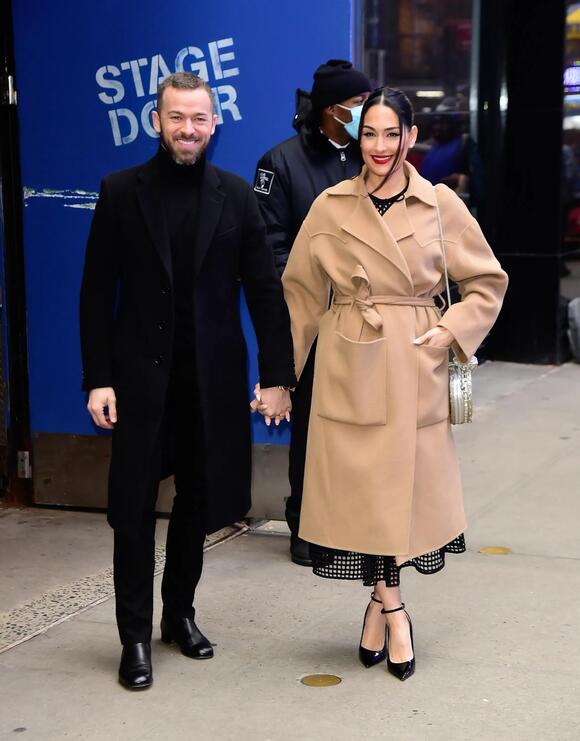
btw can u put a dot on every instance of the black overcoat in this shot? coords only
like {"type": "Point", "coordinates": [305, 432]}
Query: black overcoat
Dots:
{"type": "Point", "coordinates": [127, 327]}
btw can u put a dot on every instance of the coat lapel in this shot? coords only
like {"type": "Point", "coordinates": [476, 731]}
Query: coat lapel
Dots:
{"type": "Point", "coordinates": [397, 221]}
{"type": "Point", "coordinates": [150, 196]}
{"type": "Point", "coordinates": [211, 203]}
{"type": "Point", "coordinates": [366, 225]}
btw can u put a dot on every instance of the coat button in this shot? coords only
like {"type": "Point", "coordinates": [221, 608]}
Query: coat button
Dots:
{"type": "Point", "coordinates": [162, 326]}
{"type": "Point", "coordinates": [158, 360]}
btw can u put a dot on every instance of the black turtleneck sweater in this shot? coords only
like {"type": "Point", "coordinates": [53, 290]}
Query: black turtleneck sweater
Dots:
{"type": "Point", "coordinates": [181, 187]}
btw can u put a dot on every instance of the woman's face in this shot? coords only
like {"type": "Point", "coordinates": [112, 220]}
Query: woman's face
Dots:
{"type": "Point", "coordinates": [380, 136]}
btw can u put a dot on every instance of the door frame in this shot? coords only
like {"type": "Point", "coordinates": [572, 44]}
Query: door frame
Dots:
{"type": "Point", "coordinates": [16, 479]}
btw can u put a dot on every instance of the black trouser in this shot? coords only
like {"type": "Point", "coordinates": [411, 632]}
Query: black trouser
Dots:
{"type": "Point", "coordinates": [134, 557]}
{"type": "Point", "coordinates": [301, 402]}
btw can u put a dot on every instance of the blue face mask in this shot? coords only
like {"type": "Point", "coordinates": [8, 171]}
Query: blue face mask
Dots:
{"type": "Point", "coordinates": [353, 126]}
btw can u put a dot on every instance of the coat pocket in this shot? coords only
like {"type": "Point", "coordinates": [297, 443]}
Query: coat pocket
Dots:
{"type": "Point", "coordinates": [433, 381]}
{"type": "Point", "coordinates": [351, 380]}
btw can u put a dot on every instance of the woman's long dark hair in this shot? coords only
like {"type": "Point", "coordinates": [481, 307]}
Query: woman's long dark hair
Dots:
{"type": "Point", "coordinates": [397, 101]}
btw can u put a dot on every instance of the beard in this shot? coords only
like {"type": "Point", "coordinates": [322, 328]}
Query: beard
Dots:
{"type": "Point", "coordinates": [184, 158]}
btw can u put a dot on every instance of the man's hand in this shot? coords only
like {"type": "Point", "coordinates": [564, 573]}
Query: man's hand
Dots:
{"type": "Point", "coordinates": [99, 400]}
{"type": "Point", "coordinates": [272, 403]}
{"type": "Point", "coordinates": [436, 337]}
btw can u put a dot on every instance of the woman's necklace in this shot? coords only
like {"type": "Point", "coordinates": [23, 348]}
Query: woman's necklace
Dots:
{"type": "Point", "coordinates": [384, 204]}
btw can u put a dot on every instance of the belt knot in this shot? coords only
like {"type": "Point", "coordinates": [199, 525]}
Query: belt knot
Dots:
{"type": "Point", "coordinates": [362, 298]}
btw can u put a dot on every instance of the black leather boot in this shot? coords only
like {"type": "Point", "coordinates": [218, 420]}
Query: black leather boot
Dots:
{"type": "Point", "coordinates": [300, 551]}
{"type": "Point", "coordinates": [188, 637]}
{"type": "Point", "coordinates": [135, 671]}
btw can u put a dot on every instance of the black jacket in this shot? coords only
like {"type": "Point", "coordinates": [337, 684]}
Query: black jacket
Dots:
{"type": "Point", "coordinates": [127, 329]}
{"type": "Point", "coordinates": [291, 175]}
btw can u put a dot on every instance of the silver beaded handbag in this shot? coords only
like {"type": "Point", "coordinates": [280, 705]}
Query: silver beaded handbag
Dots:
{"type": "Point", "coordinates": [460, 385]}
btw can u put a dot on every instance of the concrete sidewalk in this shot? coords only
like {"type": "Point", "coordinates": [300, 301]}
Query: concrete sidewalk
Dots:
{"type": "Point", "coordinates": [497, 637]}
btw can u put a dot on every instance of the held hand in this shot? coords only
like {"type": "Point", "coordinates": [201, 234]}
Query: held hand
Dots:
{"type": "Point", "coordinates": [255, 403]}
{"type": "Point", "coordinates": [276, 405]}
{"type": "Point", "coordinates": [99, 400]}
{"type": "Point", "coordinates": [436, 337]}
{"type": "Point", "coordinates": [272, 403]}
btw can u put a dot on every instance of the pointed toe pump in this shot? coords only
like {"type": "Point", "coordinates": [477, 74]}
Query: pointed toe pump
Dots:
{"type": "Point", "coordinates": [367, 656]}
{"type": "Point", "coordinates": [404, 669]}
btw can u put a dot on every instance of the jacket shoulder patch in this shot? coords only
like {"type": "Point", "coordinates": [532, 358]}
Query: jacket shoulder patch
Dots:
{"type": "Point", "coordinates": [264, 180]}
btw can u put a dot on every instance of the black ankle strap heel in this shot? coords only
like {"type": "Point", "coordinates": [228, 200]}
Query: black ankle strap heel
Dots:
{"type": "Point", "coordinates": [404, 669]}
{"type": "Point", "coordinates": [369, 658]}
{"type": "Point", "coordinates": [395, 609]}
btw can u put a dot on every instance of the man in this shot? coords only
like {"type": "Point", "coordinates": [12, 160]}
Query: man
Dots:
{"type": "Point", "coordinates": [165, 361]}
{"type": "Point", "coordinates": [288, 179]}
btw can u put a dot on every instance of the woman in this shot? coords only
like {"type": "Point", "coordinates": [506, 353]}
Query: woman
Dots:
{"type": "Point", "coordinates": [382, 486]}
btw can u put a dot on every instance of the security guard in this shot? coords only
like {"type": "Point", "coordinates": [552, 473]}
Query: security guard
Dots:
{"type": "Point", "coordinates": [288, 179]}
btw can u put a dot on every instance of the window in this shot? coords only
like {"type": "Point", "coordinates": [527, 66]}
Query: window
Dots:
{"type": "Point", "coordinates": [424, 48]}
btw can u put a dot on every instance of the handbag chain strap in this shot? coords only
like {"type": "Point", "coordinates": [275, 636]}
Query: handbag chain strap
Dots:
{"type": "Point", "coordinates": [442, 243]}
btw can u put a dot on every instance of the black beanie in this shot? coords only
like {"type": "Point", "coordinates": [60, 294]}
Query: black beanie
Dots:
{"type": "Point", "coordinates": [336, 81]}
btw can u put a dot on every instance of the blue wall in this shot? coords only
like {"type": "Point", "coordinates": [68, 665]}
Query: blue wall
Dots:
{"type": "Point", "coordinates": [85, 73]}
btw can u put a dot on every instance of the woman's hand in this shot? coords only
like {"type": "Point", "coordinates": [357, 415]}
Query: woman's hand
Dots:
{"type": "Point", "coordinates": [436, 337]}
{"type": "Point", "coordinates": [272, 403]}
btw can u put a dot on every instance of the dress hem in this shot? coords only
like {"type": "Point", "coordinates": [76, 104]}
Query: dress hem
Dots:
{"type": "Point", "coordinates": [331, 563]}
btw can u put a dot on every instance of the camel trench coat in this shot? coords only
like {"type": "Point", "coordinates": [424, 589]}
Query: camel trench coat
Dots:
{"type": "Point", "coordinates": [382, 475]}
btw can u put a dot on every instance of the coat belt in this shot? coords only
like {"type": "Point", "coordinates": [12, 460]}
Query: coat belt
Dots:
{"type": "Point", "coordinates": [366, 306]}
{"type": "Point", "coordinates": [365, 301]}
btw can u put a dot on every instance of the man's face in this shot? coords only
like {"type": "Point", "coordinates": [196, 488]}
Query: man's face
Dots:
{"type": "Point", "coordinates": [185, 123]}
